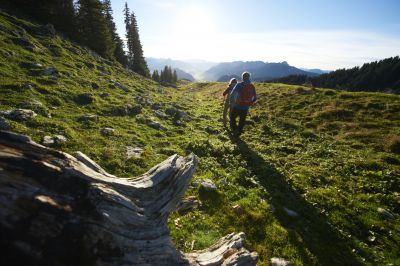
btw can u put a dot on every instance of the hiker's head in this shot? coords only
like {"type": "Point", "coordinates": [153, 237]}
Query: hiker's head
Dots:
{"type": "Point", "coordinates": [246, 76]}
{"type": "Point", "coordinates": [232, 81]}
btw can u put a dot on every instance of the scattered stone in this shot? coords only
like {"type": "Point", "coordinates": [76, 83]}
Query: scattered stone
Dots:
{"type": "Point", "coordinates": [290, 212]}
{"type": "Point", "coordinates": [35, 66]}
{"type": "Point", "coordinates": [178, 123]}
{"type": "Point", "coordinates": [224, 182]}
{"type": "Point", "coordinates": [25, 43]}
{"type": "Point", "coordinates": [50, 71]}
{"type": "Point", "coordinates": [89, 118]}
{"type": "Point", "coordinates": [107, 131]}
{"type": "Point", "coordinates": [238, 209]}
{"type": "Point", "coordinates": [280, 262]}
{"type": "Point", "coordinates": [89, 65]}
{"type": "Point", "coordinates": [73, 50]}
{"type": "Point", "coordinates": [26, 86]}
{"type": "Point", "coordinates": [57, 139]}
{"type": "Point", "coordinates": [4, 125]}
{"type": "Point", "coordinates": [195, 184]}
{"type": "Point", "coordinates": [160, 114]}
{"type": "Point", "coordinates": [119, 85]}
{"type": "Point", "coordinates": [133, 151]}
{"type": "Point", "coordinates": [48, 141]}
{"type": "Point", "coordinates": [21, 114]}
{"type": "Point", "coordinates": [188, 204]}
{"type": "Point", "coordinates": [95, 85]}
{"type": "Point", "coordinates": [385, 213]}
{"type": "Point", "coordinates": [207, 184]}
{"type": "Point", "coordinates": [156, 125]}
{"type": "Point", "coordinates": [155, 106]}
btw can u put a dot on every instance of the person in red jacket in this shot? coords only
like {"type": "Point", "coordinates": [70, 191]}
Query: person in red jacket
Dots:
{"type": "Point", "coordinates": [242, 96]}
{"type": "Point", "coordinates": [226, 93]}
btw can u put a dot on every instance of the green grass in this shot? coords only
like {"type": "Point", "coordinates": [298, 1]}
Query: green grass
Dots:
{"type": "Point", "coordinates": [331, 156]}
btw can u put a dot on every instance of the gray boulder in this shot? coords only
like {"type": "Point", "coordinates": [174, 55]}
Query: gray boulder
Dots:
{"type": "Point", "coordinates": [51, 71]}
{"type": "Point", "coordinates": [385, 213]}
{"type": "Point", "coordinates": [280, 262]}
{"type": "Point", "coordinates": [119, 85]}
{"type": "Point", "coordinates": [208, 185]}
{"type": "Point", "coordinates": [21, 114]}
{"type": "Point", "coordinates": [133, 151]}
{"type": "Point", "coordinates": [107, 131]}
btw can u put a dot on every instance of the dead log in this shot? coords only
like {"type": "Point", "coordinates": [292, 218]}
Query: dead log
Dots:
{"type": "Point", "coordinates": [57, 209]}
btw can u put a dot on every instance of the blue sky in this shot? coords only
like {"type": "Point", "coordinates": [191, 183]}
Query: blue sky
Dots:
{"type": "Point", "coordinates": [315, 34]}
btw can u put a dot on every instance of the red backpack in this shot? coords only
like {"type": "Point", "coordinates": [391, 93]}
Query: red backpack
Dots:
{"type": "Point", "coordinates": [245, 95]}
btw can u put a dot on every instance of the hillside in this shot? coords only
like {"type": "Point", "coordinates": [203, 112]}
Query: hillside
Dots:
{"type": "Point", "coordinates": [260, 71]}
{"type": "Point", "coordinates": [378, 76]}
{"type": "Point", "coordinates": [314, 178]}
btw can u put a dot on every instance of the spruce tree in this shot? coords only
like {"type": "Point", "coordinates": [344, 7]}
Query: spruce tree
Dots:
{"type": "Point", "coordinates": [136, 61]}
{"type": "Point", "coordinates": [174, 77]}
{"type": "Point", "coordinates": [93, 28]}
{"type": "Point", "coordinates": [118, 45]}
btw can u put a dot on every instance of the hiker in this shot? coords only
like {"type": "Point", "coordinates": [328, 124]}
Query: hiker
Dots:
{"type": "Point", "coordinates": [242, 96]}
{"type": "Point", "coordinates": [226, 93]}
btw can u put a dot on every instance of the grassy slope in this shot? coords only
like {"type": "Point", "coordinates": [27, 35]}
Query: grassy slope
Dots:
{"type": "Point", "coordinates": [322, 153]}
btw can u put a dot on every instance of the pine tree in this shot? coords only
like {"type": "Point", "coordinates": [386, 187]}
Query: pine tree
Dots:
{"type": "Point", "coordinates": [156, 76]}
{"type": "Point", "coordinates": [118, 45]}
{"type": "Point", "coordinates": [174, 76]}
{"type": "Point", "coordinates": [136, 59]}
{"type": "Point", "coordinates": [93, 28]}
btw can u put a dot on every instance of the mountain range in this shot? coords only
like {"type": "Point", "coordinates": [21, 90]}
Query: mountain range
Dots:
{"type": "Point", "coordinates": [222, 72]}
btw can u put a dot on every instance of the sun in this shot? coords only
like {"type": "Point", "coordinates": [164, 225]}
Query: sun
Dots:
{"type": "Point", "coordinates": [195, 21]}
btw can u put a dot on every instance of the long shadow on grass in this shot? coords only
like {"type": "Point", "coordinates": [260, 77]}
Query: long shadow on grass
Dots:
{"type": "Point", "coordinates": [322, 239]}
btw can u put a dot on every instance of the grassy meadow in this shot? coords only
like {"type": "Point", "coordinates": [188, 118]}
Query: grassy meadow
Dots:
{"type": "Point", "coordinates": [310, 171]}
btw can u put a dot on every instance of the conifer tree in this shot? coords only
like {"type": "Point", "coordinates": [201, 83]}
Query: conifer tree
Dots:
{"type": "Point", "coordinates": [93, 28]}
{"type": "Point", "coordinates": [174, 76]}
{"type": "Point", "coordinates": [136, 59]}
{"type": "Point", "coordinates": [118, 44]}
{"type": "Point", "coordinates": [156, 76]}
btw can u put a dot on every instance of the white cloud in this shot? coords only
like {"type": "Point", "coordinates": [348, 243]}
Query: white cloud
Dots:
{"type": "Point", "coordinates": [319, 49]}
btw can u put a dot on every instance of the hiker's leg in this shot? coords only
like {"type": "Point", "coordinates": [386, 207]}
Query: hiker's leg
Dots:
{"type": "Point", "coordinates": [232, 118]}
{"type": "Point", "coordinates": [242, 120]}
{"type": "Point", "coordinates": [225, 113]}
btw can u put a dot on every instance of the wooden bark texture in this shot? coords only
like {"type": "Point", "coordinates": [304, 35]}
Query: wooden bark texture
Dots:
{"type": "Point", "coordinates": [58, 209]}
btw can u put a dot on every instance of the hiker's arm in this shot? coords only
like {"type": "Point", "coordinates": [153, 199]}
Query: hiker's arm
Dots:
{"type": "Point", "coordinates": [254, 95]}
{"type": "Point", "coordinates": [226, 91]}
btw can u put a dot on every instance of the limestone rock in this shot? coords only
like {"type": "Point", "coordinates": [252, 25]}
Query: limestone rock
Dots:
{"type": "Point", "coordinates": [107, 131]}
{"type": "Point", "coordinates": [21, 114]}
{"type": "Point", "coordinates": [51, 140]}
{"type": "Point", "coordinates": [207, 184]}
{"type": "Point", "coordinates": [133, 151]}
{"type": "Point", "coordinates": [156, 125]}
{"type": "Point", "coordinates": [280, 262]}
{"type": "Point", "coordinates": [89, 118]}
{"type": "Point", "coordinates": [119, 85]}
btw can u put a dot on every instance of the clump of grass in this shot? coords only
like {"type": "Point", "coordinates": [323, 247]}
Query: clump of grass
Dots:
{"type": "Point", "coordinates": [393, 144]}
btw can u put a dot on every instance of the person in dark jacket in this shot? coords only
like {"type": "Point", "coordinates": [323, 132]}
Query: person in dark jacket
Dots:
{"type": "Point", "coordinates": [242, 96]}
{"type": "Point", "coordinates": [226, 93]}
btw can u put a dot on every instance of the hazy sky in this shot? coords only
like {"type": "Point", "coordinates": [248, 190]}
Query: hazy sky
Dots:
{"type": "Point", "coordinates": [325, 34]}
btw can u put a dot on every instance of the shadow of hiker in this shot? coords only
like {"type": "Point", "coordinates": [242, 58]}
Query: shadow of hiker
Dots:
{"type": "Point", "coordinates": [321, 238]}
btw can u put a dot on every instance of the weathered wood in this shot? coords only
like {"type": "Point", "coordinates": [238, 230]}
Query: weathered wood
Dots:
{"type": "Point", "coordinates": [56, 209]}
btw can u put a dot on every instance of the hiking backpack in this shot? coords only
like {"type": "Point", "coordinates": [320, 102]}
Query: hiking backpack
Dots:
{"type": "Point", "coordinates": [245, 95]}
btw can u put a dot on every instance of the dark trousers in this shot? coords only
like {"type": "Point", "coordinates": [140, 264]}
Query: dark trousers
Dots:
{"type": "Point", "coordinates": [242, 119]}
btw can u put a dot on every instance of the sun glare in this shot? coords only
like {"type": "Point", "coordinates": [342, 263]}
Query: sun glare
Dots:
{"type": "Point", "coordinates": [195, 28]}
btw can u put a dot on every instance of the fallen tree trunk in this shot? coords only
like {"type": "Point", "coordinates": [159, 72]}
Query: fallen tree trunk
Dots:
{"type": "Point", "coordinates": [58, 209]}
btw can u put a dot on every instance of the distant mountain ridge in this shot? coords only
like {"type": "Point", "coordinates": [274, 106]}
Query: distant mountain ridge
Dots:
{"type": "Point", "coordinates": [260, 71]}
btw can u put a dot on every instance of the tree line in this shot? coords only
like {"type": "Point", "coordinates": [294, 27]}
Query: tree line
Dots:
{"type": "Point", "coordinates": [90, 23]}
{"type": "Point", "coordinates": [378, 76]}
{"type": "Point", "coordinates": [165, 75]}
